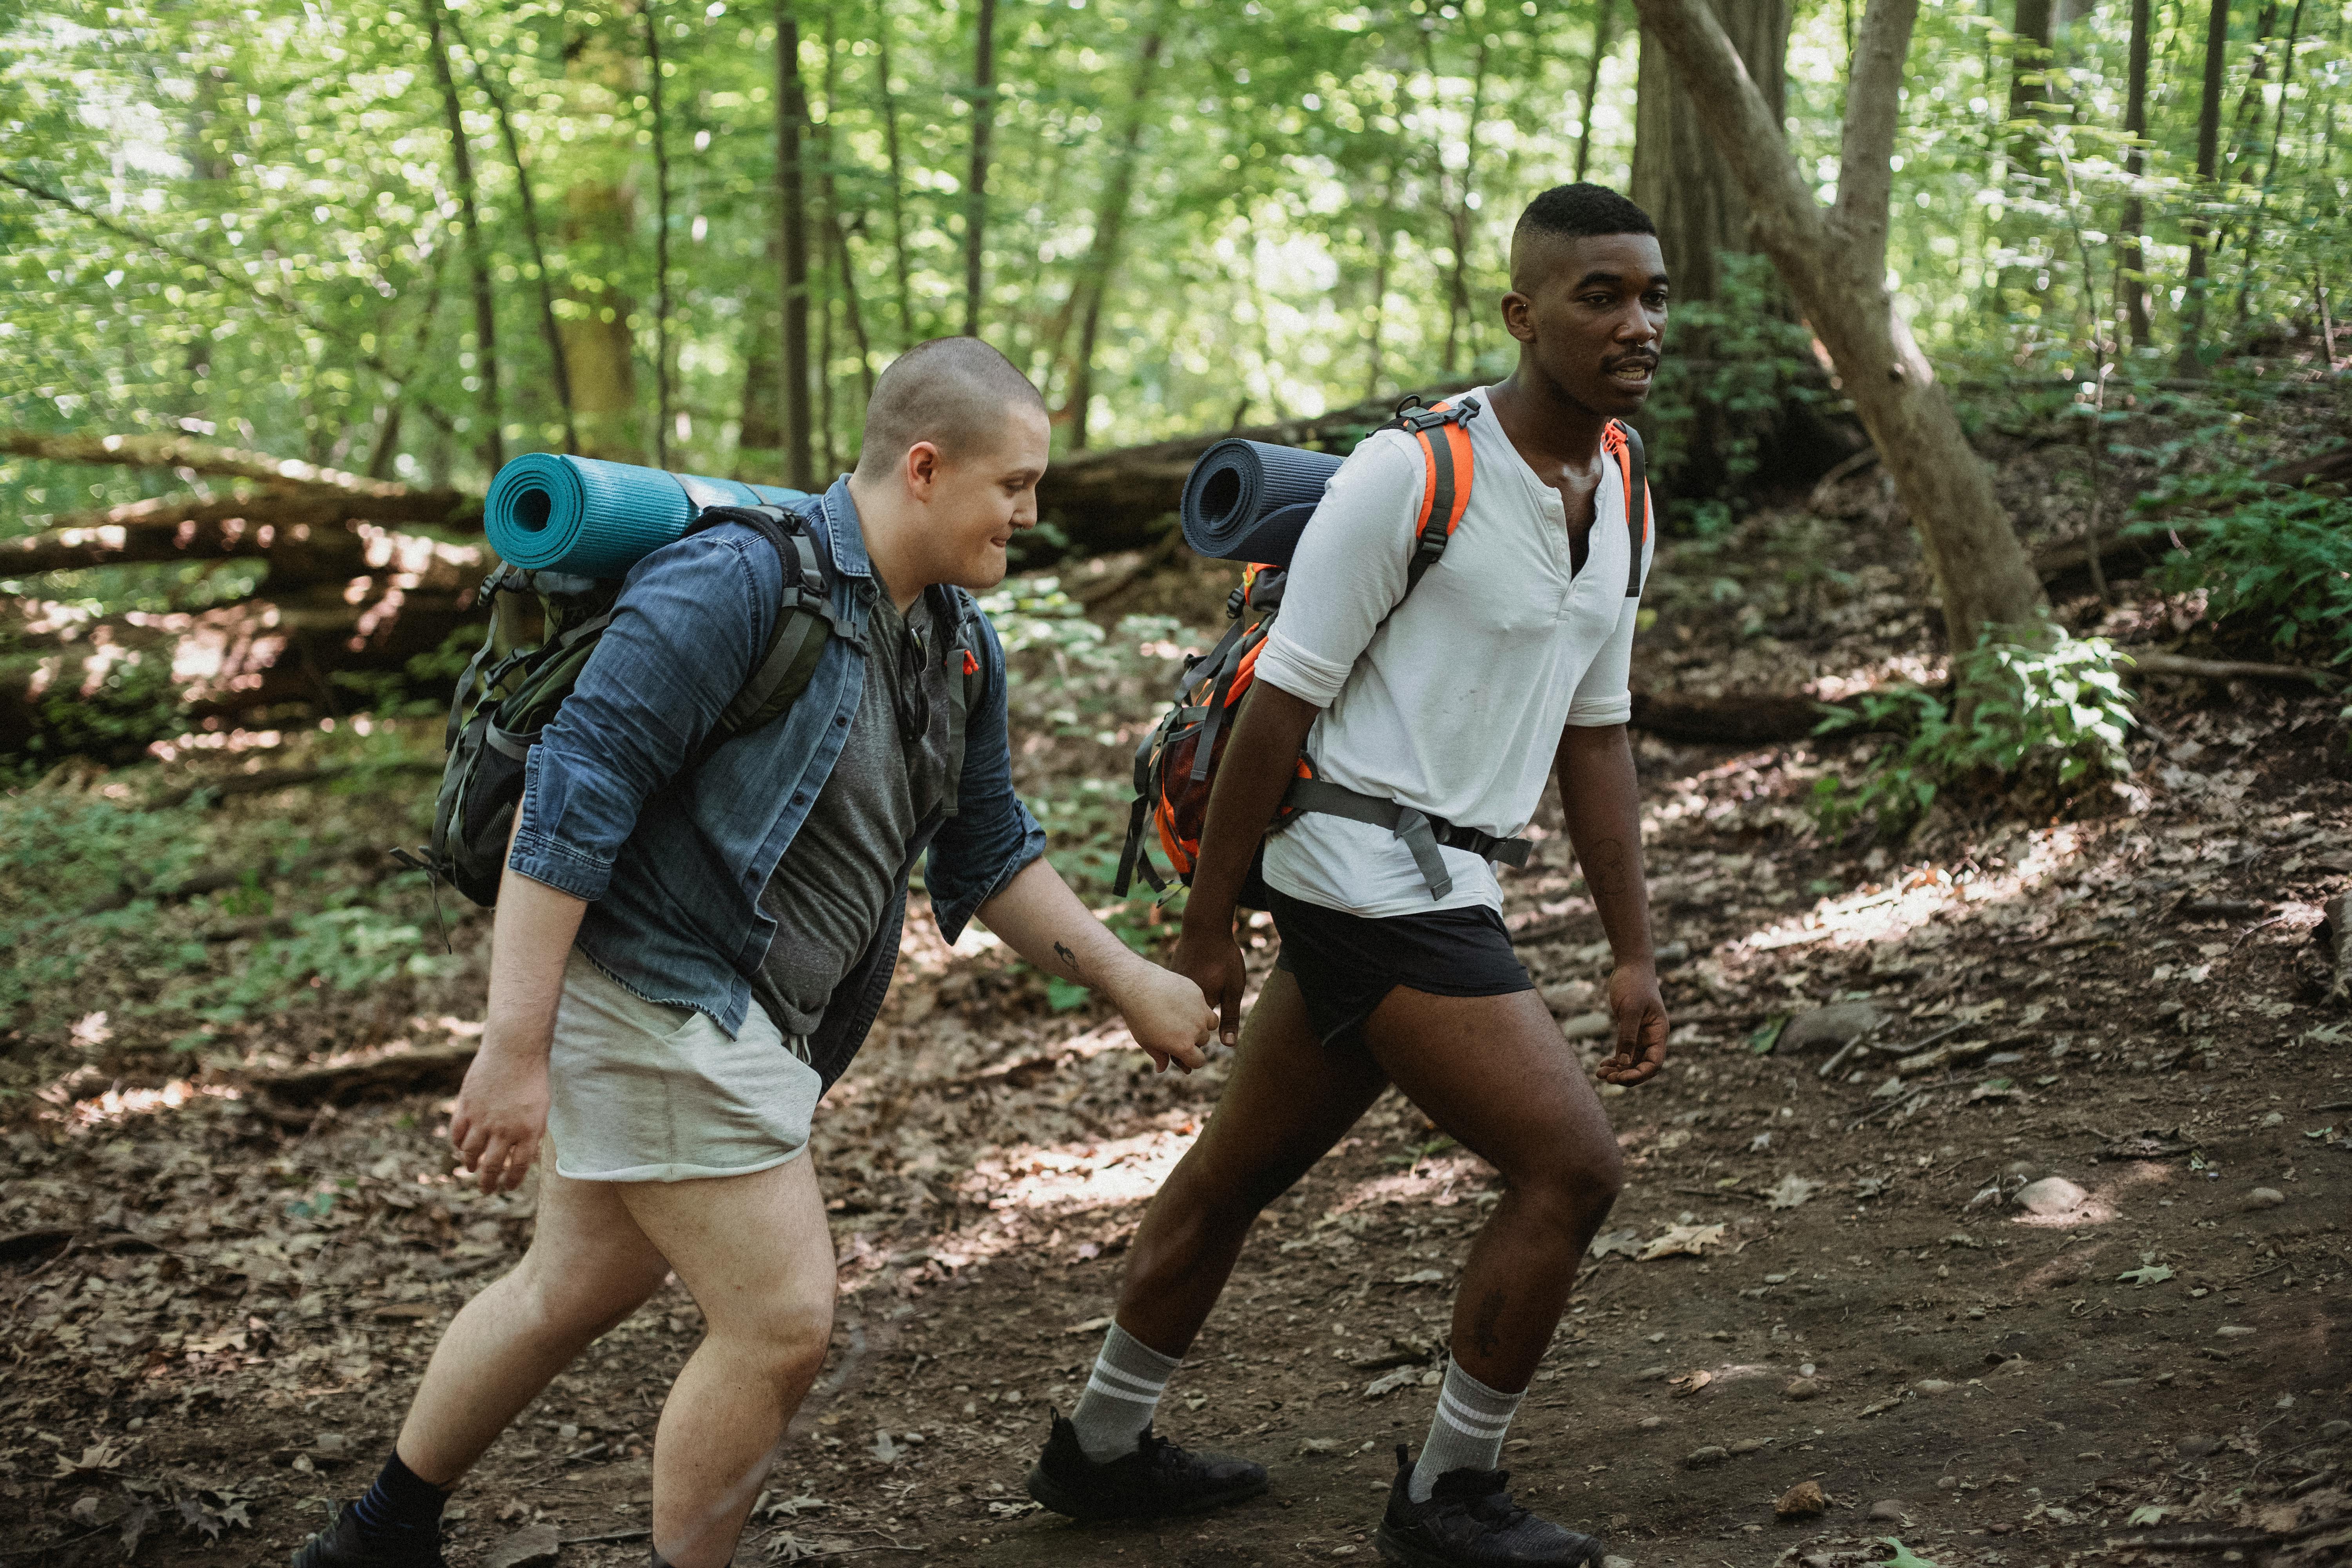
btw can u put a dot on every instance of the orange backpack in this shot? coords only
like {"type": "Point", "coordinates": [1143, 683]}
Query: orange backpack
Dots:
{"type": "Point", "coordinates": [1176, 764]}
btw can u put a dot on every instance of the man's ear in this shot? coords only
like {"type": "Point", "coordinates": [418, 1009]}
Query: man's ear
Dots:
{"type": "Point", "coordinates": [922, 468]}
{"type": "Point", "coordinates": [1518, 316]}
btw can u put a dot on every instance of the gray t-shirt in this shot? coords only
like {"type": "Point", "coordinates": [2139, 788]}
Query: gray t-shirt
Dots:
{"type": "Point", "coordinates": [829, 892]}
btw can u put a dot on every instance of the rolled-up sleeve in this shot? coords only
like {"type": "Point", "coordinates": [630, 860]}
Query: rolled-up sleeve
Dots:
{"type": "Point", "coordinates": [690, 620]}
{"type": "Point", "coordinates": [1348, 571]}
{"type": "Point", "coordinates": [992, 837]}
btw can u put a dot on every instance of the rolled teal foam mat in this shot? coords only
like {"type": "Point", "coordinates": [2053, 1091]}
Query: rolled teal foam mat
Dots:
{"type": "Point", "coordinates": [547, 512]}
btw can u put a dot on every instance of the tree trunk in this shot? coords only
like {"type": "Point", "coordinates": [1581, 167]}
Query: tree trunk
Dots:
{"type": "Point", "coordinates": [2033, 44]}
{"type": "Point", "coordinates": [1094, 276]}
{"type": "Point", "coordinates": [478, 260]}
{"type": "Point", "coordinates": [1458, 217]}
{"type": "Point", "coordinates": [661, 231]}
{"type": "Point", "coordinates": [1384, 249]}
{"type": "Point", "coordinates": [800, 471]}
{"type": "Point", "coordinates": [599, 221]}
{"type": "Point", "coordinates": [983, 123]}
{"type": "Point", "coordinates": [2134, 217]}
{"type": "Point", "coordinates": [1834, 263]}
{"type": "Point", "coordinates": [836, 236]}
{"type": "Point", "coordinates": [2209, 148]}
{"type": "Point", "coordinates": [1602, 14]}
{"type": "Point", "coordinates": [1678, 179]}
{"type": "Point", "coordinates": [560, 373]}
{"type": "Point", "coordinates": [898, 174]}
{"type": "Point", "coordinates": [2270, 169]}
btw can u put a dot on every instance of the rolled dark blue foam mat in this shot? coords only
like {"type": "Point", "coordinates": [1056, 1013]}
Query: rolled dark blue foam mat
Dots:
{"type": "Point", "coordinates": [1249, 501]}
{"type": "Point", "coordinates": [583, 516]}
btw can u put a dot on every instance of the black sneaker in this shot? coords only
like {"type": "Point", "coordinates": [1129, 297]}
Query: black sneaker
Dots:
{"type": "Point", "coordinates": [1158, 1478]}
{"type": "Point", "coordinates": [1470, 1522]}
{"type": "Point", "coordinates": [340, 1545]}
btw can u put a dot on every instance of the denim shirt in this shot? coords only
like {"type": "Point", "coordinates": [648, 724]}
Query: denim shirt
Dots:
{"type": "Point", "coordinates": [672, 862]}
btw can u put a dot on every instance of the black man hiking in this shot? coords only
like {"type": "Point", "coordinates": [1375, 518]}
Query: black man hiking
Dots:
{"type": "Point", "coordinates": [1431, 699]}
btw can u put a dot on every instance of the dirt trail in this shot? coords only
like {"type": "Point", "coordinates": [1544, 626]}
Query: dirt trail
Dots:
{"type": "Point", "coordinates": [1859, 1299]}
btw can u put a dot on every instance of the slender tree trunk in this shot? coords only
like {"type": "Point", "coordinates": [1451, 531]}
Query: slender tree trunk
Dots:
{"type": "Point", "coordinates": [1101, 260]}
{"type": "Point", "coordinates": [477, 260]}
{"type": "Point", "coordinates": [898, 174]}
{"type": "Point", "coordinates": [2270, 169]}
{"type": "Point", "coordinates": [983, 123]}
{"type": "Point", "coordinates": [1383, 249]}
{"type": "Point", "coordinates": [1457, 291]}
{"type": "Point", "coordinates": [791, 111]}
{"type": "Point", "coordinates": [836, 238]}
{"type": "Point", "coordinates": [600, 226]}
{"type": "Point", "coordinates": [1834, 263]}
{"type": "Point", "coordinates": [2135, 219]}
{"type": "Point", "coordinates": [386, 450]}
{"type": "Point", "coordinates": [2034, 27]}
{"type": "Point", "coordinates": [2209, 150]}
{"type": "Point", "coordinates": [1602, 14]}
{"type": "Point", "coordinates": [661, 232]}
{"type": "Point", "coordinates": [560, 373]}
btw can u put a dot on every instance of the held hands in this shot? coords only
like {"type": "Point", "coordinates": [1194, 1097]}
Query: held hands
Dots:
{"type": "Point", "coordinates": [1214, 963]}
{"type": "Point", "coordinates": [502, 1114]}
{"type": "Point", "coordinates": [1639, 1014]}
{"type": "Point", "coordinates": [1167, 1014]}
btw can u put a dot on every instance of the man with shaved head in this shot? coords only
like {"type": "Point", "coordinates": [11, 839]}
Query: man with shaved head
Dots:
{"type": "Point", "coordinates": [689, 948]}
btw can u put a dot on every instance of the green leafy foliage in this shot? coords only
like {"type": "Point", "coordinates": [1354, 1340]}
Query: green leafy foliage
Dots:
{"type": "Point", "coordinates": [1754, 360]}
{"type": "Point", "coordinates": [2046, 720]}
{"type": "Point", "coordinates": [2278, 566]}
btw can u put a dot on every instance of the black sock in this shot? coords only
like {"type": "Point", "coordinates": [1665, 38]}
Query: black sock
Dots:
{"type": "Point", "coordinates": [402, 1508]}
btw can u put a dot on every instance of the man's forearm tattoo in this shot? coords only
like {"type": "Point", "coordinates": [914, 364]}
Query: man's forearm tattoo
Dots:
{"type": "Point", "coordinates": [1067, 956]}
{"type": "Point", "coordinates": [1609, 870]}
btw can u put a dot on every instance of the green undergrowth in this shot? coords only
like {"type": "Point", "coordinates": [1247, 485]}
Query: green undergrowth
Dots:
{"type": "Point", "coordinates": [2277, 566]}
{"type": "Point", "coordinates": [2042, 726]}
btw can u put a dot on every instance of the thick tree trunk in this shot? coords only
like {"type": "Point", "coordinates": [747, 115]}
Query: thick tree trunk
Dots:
{"type": "Point", "coordinates": [983, 123]}
{"type": "Point", "coordinates": [1678, 178]}
{"type": "Point", "coordinates": [477, 258]}
{"type": "Point", "coordinates": [2209, 150]}
{"type": "Point", "coordinates": [2134, 217]}
{"type": "Point", "coordinates": [800, 470]}
{"type": "Point", "coordinates": [1459, 211]}
{"type": "Point", "coordinates": [1834, 263]}
{"type": "Point", "coordinates": [597, 343]}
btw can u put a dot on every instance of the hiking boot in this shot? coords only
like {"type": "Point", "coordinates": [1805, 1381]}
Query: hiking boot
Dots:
{"type": "Point", "coordinates": [1470, 1522]}
{"type": "Point", "coordinates": [1158, 1478]}
{"type": "Point", "coordinates": [340, 1545]}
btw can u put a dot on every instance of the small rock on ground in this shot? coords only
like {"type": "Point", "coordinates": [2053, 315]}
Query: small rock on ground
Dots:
{"type": "Point", "coordinates": [1803, 1500]}
{"type": "Point", "coordinates": [1893, 1509]}
{"type": "Point", "coordinates": [2264, 1198]}
{"type": "Point", "coordinates": [2051, 1195]}
{"type": "Point", "coordinates": [1828, 1028]}
{"type": "Point", "coordinates": [537, 1547]}
{"type": "Point", "coordinates": [1713, 1453]}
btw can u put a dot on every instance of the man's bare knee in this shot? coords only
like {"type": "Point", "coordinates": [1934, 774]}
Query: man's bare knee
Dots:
{"type": "Point", "coordinates": [582, 1298]}
{"type": "Point", "coordinates": [785, 1337]}
{"type": "Point", "coordinates": [1572, 1185]}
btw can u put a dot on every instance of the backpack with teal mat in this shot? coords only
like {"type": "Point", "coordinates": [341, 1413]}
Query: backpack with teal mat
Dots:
{"type": "Point", "coordinates": [513, 686]}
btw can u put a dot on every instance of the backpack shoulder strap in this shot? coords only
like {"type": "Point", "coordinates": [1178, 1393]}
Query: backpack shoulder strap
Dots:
{"type": "Point", "coordinates": [967, 676]}
{"type": "Point", "coordinates": [804, 618]}
{"type": "Point", "coordinates": [1441, 432]}
{"type": "Point", "coordinates": [1626, 442]}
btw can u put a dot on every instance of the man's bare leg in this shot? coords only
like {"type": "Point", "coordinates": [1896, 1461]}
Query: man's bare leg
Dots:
{"type": "Point", "coordinates": [1493, 1073]}
{"type": "Point", "coordinates": [755, 1252]}
{"type": "Point", "coordinates": [588, 1267]}
{"type": "Point", "coordinates": [1290, 1098]}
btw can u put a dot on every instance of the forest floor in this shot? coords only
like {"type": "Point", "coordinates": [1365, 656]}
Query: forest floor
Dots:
{"type": "Point", "coordinates": [218, 1299]}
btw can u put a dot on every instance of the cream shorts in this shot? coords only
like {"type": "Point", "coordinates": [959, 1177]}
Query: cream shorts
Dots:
{"type": "Point", "coordinates": [639, 1091]}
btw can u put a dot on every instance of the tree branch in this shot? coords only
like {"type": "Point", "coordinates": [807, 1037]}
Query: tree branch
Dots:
{"type": "Point", "coordinates": [1874, 111]}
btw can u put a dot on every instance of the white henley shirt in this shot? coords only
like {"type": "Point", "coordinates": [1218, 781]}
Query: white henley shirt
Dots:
{"type": "Point", "coordinates": [1452, 700]}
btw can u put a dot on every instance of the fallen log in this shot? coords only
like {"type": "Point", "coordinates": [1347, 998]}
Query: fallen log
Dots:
{"type": "Point", "coordinates": [2153, 663]}
{"type": "Point", "coordinates": [281, 527]}
{"type": "Point", "coordinates": [1745, 718]}
{"type": "Point", "coordinates": [439, 1070]}
{"type": "Point", "coordinates": [176, 451]}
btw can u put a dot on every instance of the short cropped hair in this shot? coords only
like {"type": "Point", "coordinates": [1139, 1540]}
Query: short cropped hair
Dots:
{"type": "Point", "coordinates": [954, 393]}
{"type": "Point", "coordinates": [1574, 211]}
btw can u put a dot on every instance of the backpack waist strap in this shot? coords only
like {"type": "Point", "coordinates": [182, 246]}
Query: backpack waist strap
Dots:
{"type": "Point", "coordinates": [1421, 833]}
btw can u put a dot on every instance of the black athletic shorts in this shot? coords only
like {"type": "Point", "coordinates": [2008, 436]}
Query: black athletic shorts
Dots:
{"type": "Point", "coordinates": [1346, 965]}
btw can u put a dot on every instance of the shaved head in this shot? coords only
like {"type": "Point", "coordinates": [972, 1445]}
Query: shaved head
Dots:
{"type": "Point", "coordinates": [957, 393]}
{"type": "Point", "coordinates": [1566, 213]}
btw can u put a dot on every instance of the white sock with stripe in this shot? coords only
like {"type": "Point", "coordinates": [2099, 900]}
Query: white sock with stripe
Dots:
{"type": "Point", "coordinates": [1122, 1395]}
{"type": "Point", "coordinates": [1467, 1434]}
